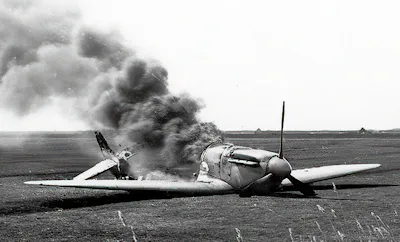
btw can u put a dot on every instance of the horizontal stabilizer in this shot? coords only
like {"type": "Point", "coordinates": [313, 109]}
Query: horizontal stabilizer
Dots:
{"type": "Point", "coordinates": [99, 168]}
{"type": "Point", "coordinates": [214, 187]}
{"type": "Point", "coordinates": [316, 174]}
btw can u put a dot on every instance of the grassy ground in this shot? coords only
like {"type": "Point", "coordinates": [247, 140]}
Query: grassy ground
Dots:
{"type": "Point", "coordinates": [365, 209]}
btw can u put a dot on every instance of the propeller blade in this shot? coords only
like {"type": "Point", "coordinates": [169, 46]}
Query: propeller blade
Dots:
{"type": "Point", "coordinates": [302, 187]}
{"type": "Point", "coordinates": [282, 121]}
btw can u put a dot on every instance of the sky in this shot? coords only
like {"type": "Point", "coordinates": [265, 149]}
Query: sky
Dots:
{"type": "Point", "coordinates": [335, 63]}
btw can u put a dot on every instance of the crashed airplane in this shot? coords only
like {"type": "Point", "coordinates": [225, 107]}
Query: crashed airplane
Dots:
{"type": "Point", "coordinates": [224, 169]}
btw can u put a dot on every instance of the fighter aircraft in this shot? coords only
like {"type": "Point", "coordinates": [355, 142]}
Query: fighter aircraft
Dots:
{"type": "Point", "coordinates": [224, 169]}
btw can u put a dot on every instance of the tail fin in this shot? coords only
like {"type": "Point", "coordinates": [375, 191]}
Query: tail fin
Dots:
{"type": "Point", "coordinates": [104, 147]}
{"type": "Point", "coordinates": [116, 163]}
{"type": "Point", "coordinates": [120, 169]}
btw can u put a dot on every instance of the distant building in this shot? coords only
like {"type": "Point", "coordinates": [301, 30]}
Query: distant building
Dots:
{"type": "Point", "coordinates": [363, 131]}
{"type": "Point", "coordinates": [258, 131]}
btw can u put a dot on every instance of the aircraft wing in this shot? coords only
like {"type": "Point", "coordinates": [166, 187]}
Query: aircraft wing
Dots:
{"type": "Point", "coordinates": [213, 187]}
{"type": "Point", "coordinates": [316, 174]}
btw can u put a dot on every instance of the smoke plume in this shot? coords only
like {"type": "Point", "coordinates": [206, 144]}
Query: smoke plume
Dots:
{"type": "Point", "coordinates": [47, 53]}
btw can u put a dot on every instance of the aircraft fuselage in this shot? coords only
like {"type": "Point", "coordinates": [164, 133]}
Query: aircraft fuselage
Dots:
{"type": "Point", "coordinates": [236, 165]}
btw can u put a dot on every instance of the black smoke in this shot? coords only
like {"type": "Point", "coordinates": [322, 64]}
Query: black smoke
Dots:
{"type": "Point", "coordinates": [50, 54]}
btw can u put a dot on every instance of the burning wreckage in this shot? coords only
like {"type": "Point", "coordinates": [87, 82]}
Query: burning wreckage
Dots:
{"type": "Point", "coordinates": [224, 168]}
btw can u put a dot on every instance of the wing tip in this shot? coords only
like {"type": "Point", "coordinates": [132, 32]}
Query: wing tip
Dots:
{"type": "Point", "coordinates": [33, 182]}
{"type": "Point", "coordinates": [43, 183]}
{"type": "Point", "coordinates": [373, 166]}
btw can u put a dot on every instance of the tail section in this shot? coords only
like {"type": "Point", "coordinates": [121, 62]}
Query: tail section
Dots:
{"type": "Point", "coordinates": [121, 168]}
{"type": "Point", "coordinates": [104, 147]}
{"type": "Point", "coordinates": [116, 163]}
{"type": "Point", "coordinates": [110, 162]}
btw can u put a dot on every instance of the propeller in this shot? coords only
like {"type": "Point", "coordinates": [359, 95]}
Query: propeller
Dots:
{"type": "Point", "coordinates": [282, 122]}
{"type": "Point", "coordinates": [280, 167]}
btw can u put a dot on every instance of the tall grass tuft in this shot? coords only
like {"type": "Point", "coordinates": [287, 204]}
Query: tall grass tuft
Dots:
{"type": "Point", "coordinates": [121, 218]}
{"type": "Point", "coordinates": [322, 210]}
{"type": "Point", "coordinates": [341, 235]}
{"type": "Point", "coordinates": [239, 237]}
{"type": "Point", "coordinates": [359, 226]}
{"type": "Point", "coordinates": [322, 232]}
{"type": "Point", "coordinates": [291, 234]}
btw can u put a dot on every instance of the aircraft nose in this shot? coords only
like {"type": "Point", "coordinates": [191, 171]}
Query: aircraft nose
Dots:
{"type": "Point", "coordinates": [279, 167]}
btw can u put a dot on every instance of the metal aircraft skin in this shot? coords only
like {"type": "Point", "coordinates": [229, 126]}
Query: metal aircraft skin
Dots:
{"type": "Point", "coordinates": [224, 169]}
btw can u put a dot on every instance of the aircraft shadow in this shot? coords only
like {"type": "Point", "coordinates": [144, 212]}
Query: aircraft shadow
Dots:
{"type": "Point", "coordinates": [287, 192]}
{"type": "Point", "coordinates": [44, 204]}
{"type": "Point", "coordinates": [40, 174]}
{"type": "Point", "coordinates": [301, 196]}
{"type": "Point", "coordinates": [342, 186]}
{"type": "Point", "coordinates": [90, 201]}
{"type": "Point", "coordinates": [53, 204]}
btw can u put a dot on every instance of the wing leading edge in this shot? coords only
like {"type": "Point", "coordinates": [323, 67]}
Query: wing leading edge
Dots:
{"type": "Point", "coordinates": [213, 187]}
{"type": "Point", "coordinates": [316, 174]}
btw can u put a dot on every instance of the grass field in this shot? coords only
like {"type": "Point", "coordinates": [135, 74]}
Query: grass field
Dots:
{"type": "Point", "coordinates": [364, 206]}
